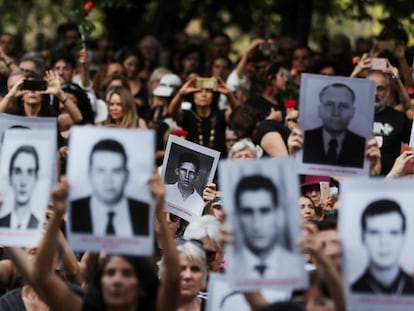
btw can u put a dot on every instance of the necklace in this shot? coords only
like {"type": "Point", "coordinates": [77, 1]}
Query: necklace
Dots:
{"type": "Point", "coordinates": [201, 139]}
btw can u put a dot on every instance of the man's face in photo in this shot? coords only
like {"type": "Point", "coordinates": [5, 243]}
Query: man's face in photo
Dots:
{"type": "Point", "coordinates": [187, 173]}
{"type": "Point", "coordinates": [383, 239]}
{"type": "Point", "coordinates": [336, 109]}
{"type": "Point", "coordinates": [23, 177]}
{"type": "Point", "coordinates": [108, 176]}
{"type": "Point", "coordinates": [259, 220]}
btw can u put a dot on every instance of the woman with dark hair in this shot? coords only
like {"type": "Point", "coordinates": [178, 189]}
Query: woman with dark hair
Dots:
{"type": "Point", "coordinates": [270, 135]}
{"type": "Point", "coordinates": [308, 209]}
{"type": "Point", "coordinates": [269, 99]}
{"type": "Point", "coordinates": [36, 103]}
{"type": "Point", "coordinates": [82, 102]}
{"type": "Point", "coordinates": [204, 122]}
{"type": "Point", "coordinates": [133, 63]}
{"type": "Point", "coordinates": [122, 282]}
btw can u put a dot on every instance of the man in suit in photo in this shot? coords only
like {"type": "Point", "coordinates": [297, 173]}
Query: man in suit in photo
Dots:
{"type": "Point", "coordinates": [264, 251]}
{"type": "Point", "coordinates": [23, 177]}
{"type": "Point", "coordinates": [383, 226]}
{"type": "Point", "coordinates": [333, 143]}
{"type": "Point", "coordinates": [108, 211]}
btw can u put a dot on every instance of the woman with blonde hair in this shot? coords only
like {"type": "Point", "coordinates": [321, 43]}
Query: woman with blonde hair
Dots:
{"type": "Point", "coordinates": [122, 110]}
{"type": "Point", "coordinates": [193, 275]}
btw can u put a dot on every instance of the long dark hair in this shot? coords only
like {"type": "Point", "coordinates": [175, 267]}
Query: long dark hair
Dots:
{"type": "Point", "coordinates": [145, 271]}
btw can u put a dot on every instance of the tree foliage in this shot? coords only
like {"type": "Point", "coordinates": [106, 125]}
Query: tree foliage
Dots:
{"type": "Point", "coordinates": [127, 21]}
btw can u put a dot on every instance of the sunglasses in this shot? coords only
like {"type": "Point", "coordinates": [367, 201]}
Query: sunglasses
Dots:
{"type": "Point", "coordinates": [294, 120]}
{"type": "Point", "coordinates": [195, 242]}
{"type": "Point", "coordinates": [174, 218]}
{"type": "Point", "coordinates": [210, 254]}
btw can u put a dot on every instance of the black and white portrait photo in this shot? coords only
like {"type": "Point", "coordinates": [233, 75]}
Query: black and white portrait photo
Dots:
{"type": "Point", "coordinates": [222, 297]}
{"type": "Point", "coordinates": [26, 176]}
{"type": "Point", "coordinates": [115, 174]}
{"type": "Point", "coordinates": [186, 170]}
{"type": "Point", "coordinates": [336, 116]}
{"type": "Point", "coordinates": [256, 197]}
{"type": "Point", "coordinates": [11, 122]}
{"type": "Point", "coordinates": [378, 258]}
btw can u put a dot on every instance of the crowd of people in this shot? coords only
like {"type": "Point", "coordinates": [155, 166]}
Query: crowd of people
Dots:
{"type": "Point", "coordinates": [248, 109]}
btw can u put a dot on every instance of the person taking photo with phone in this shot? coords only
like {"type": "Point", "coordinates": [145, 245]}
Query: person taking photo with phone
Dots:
{"type": "Point", "coordinates": [204, 122]}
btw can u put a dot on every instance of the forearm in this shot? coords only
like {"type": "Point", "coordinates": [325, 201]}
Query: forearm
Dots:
{"type": "Point", "coordinates": [70, 263]}
{"type": "Point", "coordinates": [84, 76]}
{"type": "Point", "coordinates": [5, 102]}
{"type": "Point", "coordinates": [241, 66]}
{"type": "Point", "coordinates": [334, 281]}
{"type": "Point", "coordinates": [22, 263]}
{"type": "Point", "coordinates": [405, 71]}
{"type": "Point", "coordinates": [44, 266]}
{"type": "Point", "coordinates": [403, 96]}
{"type": "Point", "coordinates": [232, 100]}
{"type": "Point", "coordinates": [174, 108]}
{"type": "Point", "coordinates": [71, 107]}
{"type": "Point", "coordinates": [168, 297]}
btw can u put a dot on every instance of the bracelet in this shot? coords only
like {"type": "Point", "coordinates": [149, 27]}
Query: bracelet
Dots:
{"type": "Point", "coordinates": [395, 75]}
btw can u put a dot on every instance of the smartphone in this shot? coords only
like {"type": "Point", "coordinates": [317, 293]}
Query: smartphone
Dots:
{"type": "Point", "coordinates": [379, 64]}
{"type": "Point", "coordinates": [206, 83]}
{"type": "Point", "coordinates": [325, 191]}
{"type": "Point", "coordinates": [386, 45]}
{"type": "Point", "coordinates": [34, 85]}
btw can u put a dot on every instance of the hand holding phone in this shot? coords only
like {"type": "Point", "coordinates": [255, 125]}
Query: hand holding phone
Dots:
{"type": "Point", "coordinates": [206, 83]}
{"type": "Point", "coordinates": [34, 85]}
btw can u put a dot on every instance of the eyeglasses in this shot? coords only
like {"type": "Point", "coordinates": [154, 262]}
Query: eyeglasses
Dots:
{"type": "Point", "coordinates": [195, 242]}
{"type": "Point", "coordinates": [294, 120]}
{"type": "Point", "coordinates": [174, 218]}
{"type": "Point", "coordinates": [210, 254]}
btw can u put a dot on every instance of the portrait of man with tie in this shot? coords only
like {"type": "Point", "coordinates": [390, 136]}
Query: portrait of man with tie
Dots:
{"type": "Point", "coordinates": [108, 211]}
{"type": "Point", "coordinates": [23, 177]}
{"type": "Point", "coordinates": [333, 143]}
{"type": "Point", "coordinates": [261, 222]}
{"type": "Point", "coordinates": [383, 225]}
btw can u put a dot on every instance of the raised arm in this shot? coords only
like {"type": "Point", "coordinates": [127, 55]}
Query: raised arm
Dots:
{"type": "Point", "coordinates": [70, 263]}
{"type": "Point", "coordinates": [49, 286]}
{"type": "Point", "coordinates": [311, 244]}
{"type": "Point", "coordinates": [8, 61]}
{"type": "Point", "coordinates": [241, 66]}
{"type": "Point", "coordinates": [174, 108]}
{"type": "Point", "coordinates": [168, 293]}
{"type": "Point", "coordinates": [364, 64]}
{"type": "Point", "coordinates": [54, 88]}
{"type": "Point", "coordinates": [13, 93]}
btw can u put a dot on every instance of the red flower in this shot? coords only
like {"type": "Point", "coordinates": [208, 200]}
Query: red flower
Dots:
{"type": "Point", "coordinates": [291, 103]}
{"type": "Point", "coordinates": [180, 133]}
{"type": "Point", "coordinates": [88, 6]}
{"type": "Point", "coordinates": [355, 60]}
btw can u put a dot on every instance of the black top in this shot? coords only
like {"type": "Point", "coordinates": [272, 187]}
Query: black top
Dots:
{"type": "Point", "coordinates": [194, 125]}
{"type": "Point", "coordinates": [267, 126]}
{"type": "Point", "coordinates": [403, 284]}
{"type": "Point", "coordinates": [391, 128]}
